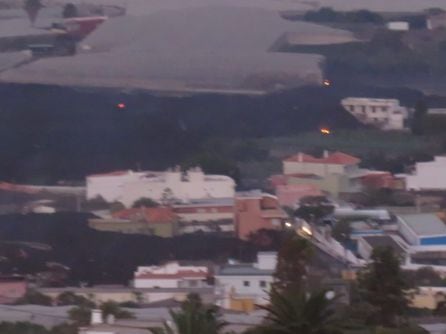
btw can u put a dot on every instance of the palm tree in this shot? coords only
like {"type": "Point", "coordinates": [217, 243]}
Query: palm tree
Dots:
{"type": "Point", "coordinates": [292, 313]}
{"type": "Point", "coordinates": [193, 318]}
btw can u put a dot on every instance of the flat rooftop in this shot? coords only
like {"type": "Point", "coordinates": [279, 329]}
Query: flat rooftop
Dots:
{"type": "Point", "coordinates": [424, 224]}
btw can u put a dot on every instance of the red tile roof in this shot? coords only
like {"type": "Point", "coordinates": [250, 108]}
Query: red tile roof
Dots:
{"type": "Point", "coordinates": [337, 158]}
{"type": "Point", "coordinates": [150, 215]}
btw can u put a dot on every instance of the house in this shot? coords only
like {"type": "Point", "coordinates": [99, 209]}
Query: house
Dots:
{"type": "Point", "coordinates": [334, 172]}
{"type": "Point", "coordinates": [436, 111]}
{"type": "Point", "coordinates": [428, 175]}
{"type": "Point", "coordinates": [367, 244]}
{"type": "Point", "coordinates": [424, 229]}
{"type": "Point", "coordinates": [398, 25]}
{"type": "Point", "coordinates": [158, 221]}
{"type": "Point", "coordinates": [255, 210]}
{"type": "Point", "coordinates": [12, 288]}
{"type": "Point", "coordinates": [385, 114]}
{"type": "Point", "coordinates": [170, 186]}
{"type": "Point", "coordinates": [436, 21]}
{"type": "Point", "coordinates": [242, 286]}
{"type": "Point", "coordinates": [171, 275]}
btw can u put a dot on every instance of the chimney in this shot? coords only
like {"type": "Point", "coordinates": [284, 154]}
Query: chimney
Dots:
{"type": "Point", "coordinates": [326, 153]}
{"type": "Point", "coordinates": [96, 317]}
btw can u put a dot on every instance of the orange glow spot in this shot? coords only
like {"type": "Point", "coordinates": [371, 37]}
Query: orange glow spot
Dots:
{"type": "Point", "coordinates": [325, 131]}
{"type": "Point", "coordinates": [121, 105]}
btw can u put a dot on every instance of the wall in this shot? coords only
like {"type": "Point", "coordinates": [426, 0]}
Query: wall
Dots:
{"type": "Point", "coordinates": [410, 236]}
{"type": "Point", "coordinates": [205, 214]}
{"type": "Point", "coordinates": [428, 175]}
{"type": "Point", "coordinates": [437, 240]}
{"type": "Point", "coordinates": [364, 249]}
{"type": "Point", "coordinates": [235, 285]}
{"type": "Point", "coordinates": [11, 291]}
{"type": "Point", "coordinates": [293, 167]}
{"type": "Point", "coordinates": [165, 230]}
{"type": "Point", "coordinates": [248, 216]}
{"type": "Point", "coordinates": [155, 188]}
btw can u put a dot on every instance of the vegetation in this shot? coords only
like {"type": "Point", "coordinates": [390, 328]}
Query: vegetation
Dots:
{"type": "Point", "coordinates": [313, 208]}
{"type": "Point", "coordinates": [383, 285]}
{"type": "Point", "coordinates": [69, 10]}
{"type": "Point", "coordinates": [145, 202]}
{"type": "Point", "coordinates": [300, 313]}
{"type": "Point", "coordinates": [418, 118]}
{"type": "Point", "coordinates": [70, 298]}
{"type": "Point", "coordinates": [80, 315]}
{"type": "Point", "coordinates": [329, 15]}
{"type": "Point", "coordinates": [32, 8]}
{"type": "Point", "coordinates": [192, 318]}
{"type": "Point", "coordinates": [36, 298]}
{"type": "Point", "coordinates": [292, 260]}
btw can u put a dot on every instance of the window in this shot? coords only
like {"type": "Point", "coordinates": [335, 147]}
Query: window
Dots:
{"type": "Point", "coordinates": [262, 284]}
{"type": "Point", "coordinates": [246, 283]}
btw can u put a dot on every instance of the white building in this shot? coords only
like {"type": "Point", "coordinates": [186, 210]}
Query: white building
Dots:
{"type": "Point", "coordinates": [423, 229]}
{"type": "Point", "coordinates": [428, 175]}
{"type": "Point", "coordinates": [246, 282]}
{"type": "Point", "coordinates": [385, 114]}
{"type": "Point", "coordinates": [173, 185]}
{"type": "Point", "coordinates": [398, 26]}
{"type": "Point", "coordinates": [171, 275]}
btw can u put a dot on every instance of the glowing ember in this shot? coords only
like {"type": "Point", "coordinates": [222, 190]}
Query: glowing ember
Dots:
{"type": "Point", "coordinates": [326, 82]}
{"type": "Point", "coordinates": [121, 105]}
{"type": "Point", "coordinates": [325, 131]}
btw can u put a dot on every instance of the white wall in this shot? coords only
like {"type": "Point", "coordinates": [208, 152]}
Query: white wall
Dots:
{"type": "Point", "coordinates": [153, 283]}
{"type": "Point", "coordinates": [131, 186]}
{"type": "Point", "coordinates": [428, 175]}
{"type": "Point", "coordinates": [293, 167]}
{"type": "Point", "coordinates": [236, 284]}
{"type": "Point", "coordinates": [364, 249]}
{"type": "Point", "coordinates": [409, 235]}
{"type": "Point", "coordinates": [386, 114]}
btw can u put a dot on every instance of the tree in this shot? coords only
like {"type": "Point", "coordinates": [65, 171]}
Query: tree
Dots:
{"type": "Point", "coordinates": [313, 208]}
{"type": "Point", "coordinates": [290, 313]}
{"type": "Point", "coordinates": [35, 298]}
{"type": "Point", "coordinates": [113, 308]}
{"type": "Point", "coordinates": [145, 202]}
{"type": "Point", "coordinates": [292, 259]}
{"type": "Point", "coordinates": [418, 118]}
{"type": "Point", "coordinates": [342, 230]}
{"type": "Point", "coordinates": [193, 317]}
{"type": "Point", "coordinates": [80, 315]}
{"type": "Point", "coordinates": [383, 286]}
{"type": "Point", "coordinates": [22, 327]}
{"type": "Point", "coordinates": [70, 298]}
{"type": "Point", "coordinates": [32, 8]}
{"type": "Point", "coordinates": [167, 197]}
{"type": "Point", "coordinates": [69, 10]}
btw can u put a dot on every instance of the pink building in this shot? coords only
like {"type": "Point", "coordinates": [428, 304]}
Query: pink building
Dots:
{"type": "Point", "coordinates": [255, 210]}
{"type": "Point", "coordinates": [291, 194]}
{"type": "Point", "coordinates": [12, 288]}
